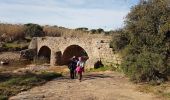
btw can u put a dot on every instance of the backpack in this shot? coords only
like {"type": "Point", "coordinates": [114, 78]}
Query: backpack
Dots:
{"type": "Point", "coordinates": [72, 66]}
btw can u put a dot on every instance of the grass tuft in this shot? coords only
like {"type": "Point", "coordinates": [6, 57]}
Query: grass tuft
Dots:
{"type": "Point", "coordinates": [104, 68]}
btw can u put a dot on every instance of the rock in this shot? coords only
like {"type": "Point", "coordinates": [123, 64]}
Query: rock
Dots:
{"type": "Point", "coordinates": [28, 54]}
{"type": "Point", "coordinates": [4, 62]}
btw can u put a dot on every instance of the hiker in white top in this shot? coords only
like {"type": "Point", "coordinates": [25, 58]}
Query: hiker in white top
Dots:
{"type": "Point", "coordinates": [80, 68]}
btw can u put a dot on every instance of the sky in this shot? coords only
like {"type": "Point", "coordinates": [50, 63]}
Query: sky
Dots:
{"type": "Point", "coordinates": [93, 14]}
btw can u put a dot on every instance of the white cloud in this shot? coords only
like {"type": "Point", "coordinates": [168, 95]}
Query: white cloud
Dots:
{"type": "Point", "coordinates": [57, 13]}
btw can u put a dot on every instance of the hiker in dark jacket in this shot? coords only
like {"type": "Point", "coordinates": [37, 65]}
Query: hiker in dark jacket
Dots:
{"type": "Point", "coordinates": [72, 66]}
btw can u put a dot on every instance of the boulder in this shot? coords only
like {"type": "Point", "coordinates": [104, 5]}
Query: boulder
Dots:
{"type": "Point", "coordinates": [28, 54]}
{"type": "Point", "coordinates": [4, 62]}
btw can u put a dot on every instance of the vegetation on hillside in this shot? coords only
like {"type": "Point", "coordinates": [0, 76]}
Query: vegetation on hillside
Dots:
{"type": "Point", "coordinates": [33, 30]}
{"type": "Point", "coordinates": [9, 32]}
{"type": "Point", "coordinates": [12, 32]}
{"type": "Point", "coordinates": [145, 41]}
{"type": "Point", "coordinates": [16, 37]}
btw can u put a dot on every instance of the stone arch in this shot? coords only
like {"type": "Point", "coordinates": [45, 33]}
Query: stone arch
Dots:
{"type": "Point", "coordinates": [73, 50]}
{"type": "Point", "coordinates": [44, 54]}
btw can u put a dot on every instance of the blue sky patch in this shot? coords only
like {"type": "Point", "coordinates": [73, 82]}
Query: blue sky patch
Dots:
{"type": "Point", "coordinates": [106, 14]}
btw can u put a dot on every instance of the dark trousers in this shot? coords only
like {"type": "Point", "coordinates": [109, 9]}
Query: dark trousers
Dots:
{"type": "Point", "coordinates": [72, 74]}
{"type": "Point", "coordinates": [75, 72]}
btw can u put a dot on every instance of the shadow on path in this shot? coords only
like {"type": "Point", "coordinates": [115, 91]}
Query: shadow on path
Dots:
{"type": "Point", "coordinates": [86, 77]}
{"type": "Point", "coordinates": [95, 76]}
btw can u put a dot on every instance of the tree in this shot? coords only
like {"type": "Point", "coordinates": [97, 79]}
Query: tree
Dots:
{"type": "Point", "coordinates": [119, 40]}
{"type": "Point", "coordinates": [82, 29]}
{"type": "Point", "coordinates": [93, 31]}
{"type": "Point", "coordinates": [33, 30]}
{"type": "Point", "coordinates": [146, 55]}
{"type": "Point", "coordinates": [100, 30]}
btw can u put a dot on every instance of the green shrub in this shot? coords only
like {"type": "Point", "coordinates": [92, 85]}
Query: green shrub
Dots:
{"type": "Point", "coordinates": [33, 30]}
{"type": "Point", "coordinates": [2, 97]}
{"type": "Point", "coordinates": [119, 40]}
{"type": "Point", "coordinates": [145, 41]}
{"type": "Point", "coordinates": [104, 68]}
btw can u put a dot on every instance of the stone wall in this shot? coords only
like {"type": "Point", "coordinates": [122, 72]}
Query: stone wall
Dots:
{"type": "Point", "coordinates": [97, 48]}
{"type": "Point", "coordinates": [33, 43]}
{"type": "Point", "coordinates": [106, 54]}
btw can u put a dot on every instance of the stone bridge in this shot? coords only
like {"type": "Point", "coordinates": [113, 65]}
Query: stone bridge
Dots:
{"type": "Point", "coordinates": [60, 49]}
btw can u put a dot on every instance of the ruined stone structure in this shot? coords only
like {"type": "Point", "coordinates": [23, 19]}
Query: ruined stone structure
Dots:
{"type": "Point", "coordinates": [60, 49]}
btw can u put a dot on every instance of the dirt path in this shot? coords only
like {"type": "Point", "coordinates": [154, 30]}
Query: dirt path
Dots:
{"type": "Point", "coordinates": [95, 86]}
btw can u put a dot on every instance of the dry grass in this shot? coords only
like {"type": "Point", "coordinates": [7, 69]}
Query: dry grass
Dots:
{"type": "Point", "coordinates": [60, 31]}
{"type": "Point", "coordinates": [162, 91]}
{"type": "Point", "coordinates": [11, 32]}
{"type": "Point", "coordinates": [59, 69]}
{"type": "Point", "coordinates": [14, 84]}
